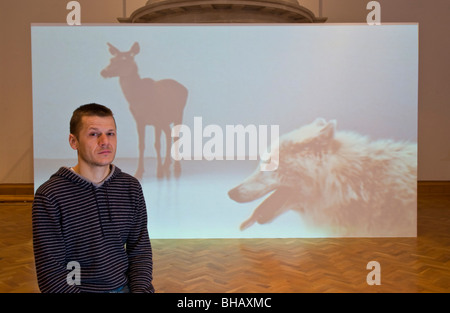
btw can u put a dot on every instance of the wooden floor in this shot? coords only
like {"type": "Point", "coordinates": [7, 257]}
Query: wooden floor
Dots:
{"type": "Point", "coordinates": [419, 264]}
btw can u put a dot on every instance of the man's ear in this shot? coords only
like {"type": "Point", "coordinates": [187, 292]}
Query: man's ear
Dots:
{"type": "Point", "coordinates": [73, 141]}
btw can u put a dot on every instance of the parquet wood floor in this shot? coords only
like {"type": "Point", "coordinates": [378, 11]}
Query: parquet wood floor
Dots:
{"type": "Point", "coordinates": [419, 264]}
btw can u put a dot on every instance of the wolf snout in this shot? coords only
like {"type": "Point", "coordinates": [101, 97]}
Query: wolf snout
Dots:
{"type": "Point", "coordinates": [236, 195]}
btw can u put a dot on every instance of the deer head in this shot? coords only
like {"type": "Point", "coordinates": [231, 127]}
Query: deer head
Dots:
{"type": "Point", "coordinates": [122, 63]}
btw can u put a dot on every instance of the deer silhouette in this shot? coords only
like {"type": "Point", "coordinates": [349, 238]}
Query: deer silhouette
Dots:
{"type": "Point", "coordinates": [154, 103]}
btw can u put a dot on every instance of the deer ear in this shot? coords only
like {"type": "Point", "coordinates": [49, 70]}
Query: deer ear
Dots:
{"type": "Point", "coordinates": [113, 50]}
{"type": "Point", "coordinates": [135, 49]}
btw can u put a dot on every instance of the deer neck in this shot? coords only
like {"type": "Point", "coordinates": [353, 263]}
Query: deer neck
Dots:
{"type": "Point", "coordinates": [129, 81]}
{"type": "Point", "coordinates": [130, 85]}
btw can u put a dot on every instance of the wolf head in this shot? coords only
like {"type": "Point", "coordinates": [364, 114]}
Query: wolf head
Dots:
{"type": "Point", "coordinates": [301, 164]}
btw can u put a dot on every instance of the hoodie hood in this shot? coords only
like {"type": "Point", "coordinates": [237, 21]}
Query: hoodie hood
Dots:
{"type": "Point", "coordinates": [71, 175]}
{"type": "Point", "coordinates": [99, 191]}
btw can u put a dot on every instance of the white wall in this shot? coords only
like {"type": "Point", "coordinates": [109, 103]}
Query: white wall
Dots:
{"type": "Point", "coordinates": [16, 120]}
{"type": "Point", "coordinates": [434, 80]}
{"type": "Point", "coordinates": [16, 135]}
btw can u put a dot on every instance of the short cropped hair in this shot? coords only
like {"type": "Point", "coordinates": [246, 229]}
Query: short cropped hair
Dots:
{"type": "Point", "coordinates": [91, 109]}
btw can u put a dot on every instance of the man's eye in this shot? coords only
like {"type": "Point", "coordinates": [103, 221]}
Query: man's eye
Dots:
{"type": "Point", "coordinates": [111, 134]}
{"type": "Point", "coordinates": [93, 134]}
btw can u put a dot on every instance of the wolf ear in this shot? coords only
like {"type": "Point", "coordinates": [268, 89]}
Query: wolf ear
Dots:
{"type": "Point", "coordinates": [327, 132]}
{"type": "Point", "coordinates": [320, 121]}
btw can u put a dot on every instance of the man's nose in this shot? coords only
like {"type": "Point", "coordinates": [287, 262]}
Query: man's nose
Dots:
{"type": "Point", "coordinates": [103, 140]}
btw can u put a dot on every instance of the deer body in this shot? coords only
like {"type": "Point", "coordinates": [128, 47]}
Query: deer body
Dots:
{"type": "Point", "coordinates": [155, 103]}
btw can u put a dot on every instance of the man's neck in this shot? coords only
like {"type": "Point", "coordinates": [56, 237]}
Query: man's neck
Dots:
{"type": "Point", "coordinates": [95, 174]}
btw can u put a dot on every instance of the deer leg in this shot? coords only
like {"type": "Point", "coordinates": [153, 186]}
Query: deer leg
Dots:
{"type": "Point", "coordinates": [176, 143]}
{"type": "Point", "coordinates": [141, 135]}
{"type": "Point", "coordinates": [159, 168]}
{"type": "Point", "coordinates": [176, 164]}
{"type": "Point", "coordinates": [168, 158]}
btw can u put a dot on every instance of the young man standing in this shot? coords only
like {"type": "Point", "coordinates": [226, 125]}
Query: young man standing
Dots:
{"type": "Point", "coordinates": [90, 221]}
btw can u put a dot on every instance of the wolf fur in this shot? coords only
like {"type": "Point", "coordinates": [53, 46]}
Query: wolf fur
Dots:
{"type": "Point", "coordinates": [340, 181]}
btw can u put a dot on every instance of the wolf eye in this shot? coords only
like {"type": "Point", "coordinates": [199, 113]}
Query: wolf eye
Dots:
{"type": "Point", "coordinates": [306, 148]}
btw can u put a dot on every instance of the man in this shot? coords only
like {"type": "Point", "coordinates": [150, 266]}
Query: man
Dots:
{"type": "Point", "coordinates": [90, 221]}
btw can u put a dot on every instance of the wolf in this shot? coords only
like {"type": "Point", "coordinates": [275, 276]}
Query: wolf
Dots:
{"type": "Point", "coordinates": [340, 181]}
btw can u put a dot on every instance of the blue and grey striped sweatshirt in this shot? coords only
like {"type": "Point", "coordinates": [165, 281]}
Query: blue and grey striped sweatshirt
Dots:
{"type": "Point", "coordinates": [102, 227]}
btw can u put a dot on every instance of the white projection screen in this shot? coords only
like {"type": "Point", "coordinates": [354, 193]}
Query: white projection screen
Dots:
{"type": "Point", "coordinates": [285, 131]}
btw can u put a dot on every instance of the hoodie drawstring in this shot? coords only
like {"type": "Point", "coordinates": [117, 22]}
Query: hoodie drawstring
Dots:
{"type": "Point", "coordinates": [100, 207]}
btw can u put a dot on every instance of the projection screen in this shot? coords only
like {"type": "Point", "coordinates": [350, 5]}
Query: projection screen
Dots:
{"type": "Point", "coordinates": [284, 131]}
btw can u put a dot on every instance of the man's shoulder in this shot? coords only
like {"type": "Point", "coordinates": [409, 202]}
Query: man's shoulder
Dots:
{"type": "Point", "coordinates": [53, 183]}
{"type": "Point", "coordinates": [126, 178]}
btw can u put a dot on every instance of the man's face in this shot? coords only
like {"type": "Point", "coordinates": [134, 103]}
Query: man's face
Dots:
{"type": "Point", "coordinates": [97, 141]}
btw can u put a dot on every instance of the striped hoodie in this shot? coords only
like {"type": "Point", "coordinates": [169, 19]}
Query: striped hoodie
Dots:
{"type": "Point", "coordinates": [101, 227]}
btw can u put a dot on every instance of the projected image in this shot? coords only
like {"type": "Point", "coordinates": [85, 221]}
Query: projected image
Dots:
{"type": "Point", "coordinates": [156, 103]}
{"type": "Point", "coordinates": [338, 180]}
{"type": "Point", "coordinates": [244, 131]}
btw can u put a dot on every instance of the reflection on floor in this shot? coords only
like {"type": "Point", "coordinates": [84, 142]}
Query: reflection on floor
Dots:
{"type": "Point", "coordinates": [197, 204]}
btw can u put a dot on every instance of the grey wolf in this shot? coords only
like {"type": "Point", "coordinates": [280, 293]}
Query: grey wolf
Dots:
{"type": "Point", "coordinates": [340, 181]}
